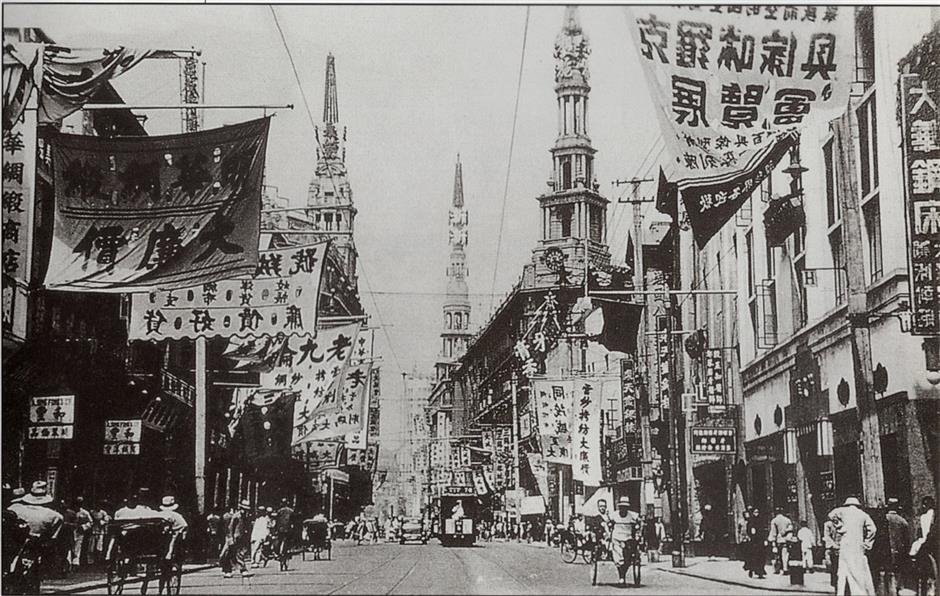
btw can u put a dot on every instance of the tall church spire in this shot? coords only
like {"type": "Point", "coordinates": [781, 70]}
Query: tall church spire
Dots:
{"type": "Point", "coordinates": [458, 184]}
{"type": "Point", "coordinates": [330, 103]}
{"type": "Point", "coordinates": [456, 331]}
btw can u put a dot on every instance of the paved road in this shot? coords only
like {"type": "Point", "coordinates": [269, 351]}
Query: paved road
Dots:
{"type": "Point", "coordinates": [493, 568]}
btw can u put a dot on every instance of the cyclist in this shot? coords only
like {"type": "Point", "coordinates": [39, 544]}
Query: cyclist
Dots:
{"type": "Point", "coordinates": [43, 522]}
{"type": "Point", "coordinates": [623, 534]}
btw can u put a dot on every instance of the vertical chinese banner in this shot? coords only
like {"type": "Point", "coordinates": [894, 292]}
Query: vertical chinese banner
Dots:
{"type": "Point", "coordinates": [920, 116]}
{"type": "Point", "coordinates": [586, 432]}
{"type": "Point", "coordinates": [628, 394]}
{"type": "Point", "coordinates": [19, 172]}
{"type": "Point", "coordinates": [732, 87]}
{"type": "Point", "coordinates": [553, 405]}
{"type": "Point", "coordinates": [714, 377]}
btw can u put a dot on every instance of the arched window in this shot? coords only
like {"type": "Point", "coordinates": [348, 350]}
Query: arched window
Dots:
{"type": "Point", "coordinates": [565, 173]}
{"type": "Point", "coordinates": [449, 321]}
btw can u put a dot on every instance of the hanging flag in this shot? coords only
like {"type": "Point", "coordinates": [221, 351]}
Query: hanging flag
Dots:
{"type": "Point", "coordinates": [336, 418]}
{"type": "Point", "coordinates": [71, 76]}
{"type": "Point", "coordinates": [257, 354]}
{"type": "Point", "coordinates": [264, 431]}
{"type": "Point", "coordinates": [621, 325]}
{"type": "Point", "coordinates": [554, 404]}
{"type": "Point", "coordinates": [280, 297]}
{"type": "Point", "coordinates": [319, 455]}
{"type": "Point", "coordinates": [19, 193]}
{"type": "Point", "coordinates": [145, 213]}
{"type": "Point", "coordinates": [667, 197]}
{"type": "Point", "coordinates": [359, 439]}
{"type": "Point", "coordinates": [732, 86]}
{"type": "Point", "coordinates": [586, 432]}
{"type": "Point", "coordinates": [364, 343]}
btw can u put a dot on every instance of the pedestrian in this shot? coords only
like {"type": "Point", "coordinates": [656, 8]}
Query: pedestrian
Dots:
{"type": "Point", "coordinates": [756, 545]}
{"type": "Point", "coordinates": [925, 527]}
{"type": "Point", "coordinates": [777, 539]}
{"type": "Point", "coordinates": [283, 524]}
{"type": "Point", "coordinates": [807, 542]}
{"type": "Point", "coordinates": [623, 536]}
{"type": "Point", "coordinates": [549, 531]}
{"type": "Point", "coordinates": [178, 524]}
{"type": "Point", "coordinates": [899, 544]}
{"type": "Point", "coordinates": [259, 533]}
{"type": "Point", "coordinates": [831, 544]}
{"type": "Point", "coordinates": [237, 541]}
{"type": "Point", "coordinates": [856, 532]}
{"type": "Point", "coordinates": [214, 532]}
{"type": "Point", "coordinates": [651, 539]}
{"type": "Point", "coordinates": [99, 530]}
{"type": "Point", "coordinates": [709, 531]}
{"type": "Point", "coordinates": [81, 530]}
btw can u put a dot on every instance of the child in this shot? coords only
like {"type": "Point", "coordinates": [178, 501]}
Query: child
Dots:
{"type": "Point", "coordinates": [807, 541]}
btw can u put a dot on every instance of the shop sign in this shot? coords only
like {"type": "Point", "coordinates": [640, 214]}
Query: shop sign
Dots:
{"type": "Point", "coordinates": [713, 440]}
{"type": "Point", "coordinates": [828, 483]}
{"type": "Point", "coordinates": [628, 394]}
{"type": "Point", "coordinates": [733, 85]}
{"type": "Point", "coordinates": [714, 377]}
{"type": "Point", "coordinates": [122, 437]}
{"type": "Point", "coordinates": [51, 417]}
{"type": "Point", "coordinates": [459, 491]}
{"type": "Point", "coordinates": [920, 123]}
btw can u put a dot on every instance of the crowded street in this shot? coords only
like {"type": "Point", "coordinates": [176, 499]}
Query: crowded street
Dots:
{"type": "Point", "coordinates": [470, 298]}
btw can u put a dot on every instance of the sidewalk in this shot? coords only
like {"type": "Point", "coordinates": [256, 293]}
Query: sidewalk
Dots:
{"type": "Point", "coordinates": [83, 580]}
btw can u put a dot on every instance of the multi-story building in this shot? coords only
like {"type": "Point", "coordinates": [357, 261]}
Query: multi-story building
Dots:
{"type": "Point", "coordinates": [780, 364]}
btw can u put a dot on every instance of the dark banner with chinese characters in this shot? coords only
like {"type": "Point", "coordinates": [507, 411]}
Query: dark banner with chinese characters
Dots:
{"type": "Point", "coordinates": [713, 440]}
{"type": "Point", "coordinates": [729, 81]}
{"type": "Point", "coordinates": [145, 213]}
{"type": "Point", "coordinates": [280, 297]}
{"type": "Point", "coordinates": [714, 382]}
{"type": "Point", "coordinates": [319, 455]}
{"type": "Point", "coordinates": [920, 94]}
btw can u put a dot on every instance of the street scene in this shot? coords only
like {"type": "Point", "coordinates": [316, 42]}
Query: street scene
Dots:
{"type": "Point", "coordinates": [470, 299]}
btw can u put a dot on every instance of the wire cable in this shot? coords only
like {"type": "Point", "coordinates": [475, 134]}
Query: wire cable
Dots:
{"type": "Point", "coordinates": [512, 141]}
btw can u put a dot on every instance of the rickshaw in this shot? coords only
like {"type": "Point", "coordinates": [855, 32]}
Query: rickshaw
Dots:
{"type": "Point", "coordinates": [631, 558]}
{"type": "Point", "coordinates": [149, 544]}
{"type": "Point", "coordinates": [316, 539]}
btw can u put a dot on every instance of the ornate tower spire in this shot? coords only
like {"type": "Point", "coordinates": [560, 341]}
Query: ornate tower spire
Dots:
{"type": "Point", "coordinates": [456, 331]}
{"type": "Point", "coordinates": [573, 213]}
{"type": "Point", "coordinates": [330, 103]}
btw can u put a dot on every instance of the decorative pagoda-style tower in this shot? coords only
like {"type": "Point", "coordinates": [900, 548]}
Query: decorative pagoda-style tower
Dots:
{"type": "Point", "coordinates": [574, 215]}
{"type": "Point", "coordinates": [329, 197]}
{"type": "Point", "coordinates": [456, 332]}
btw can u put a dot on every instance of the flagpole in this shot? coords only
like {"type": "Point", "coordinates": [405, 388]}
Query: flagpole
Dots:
{"type": "Point", "coordinates": [200, 415]}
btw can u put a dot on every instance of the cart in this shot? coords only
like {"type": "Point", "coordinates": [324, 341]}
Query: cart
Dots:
{"type": "Point", "coordinates": [316, 539]}
{"type": "Point", "coordinates": [631, 558]}
{"type": "Point", "coordinates": [146, 548]}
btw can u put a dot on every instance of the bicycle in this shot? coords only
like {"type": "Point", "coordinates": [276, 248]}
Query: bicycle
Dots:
{"type": "Point", "coordinates": [573, 544]}
{"type": "Point", "coordinates": [631, 558]}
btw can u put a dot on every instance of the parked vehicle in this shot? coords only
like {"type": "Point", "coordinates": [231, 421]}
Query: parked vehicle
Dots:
{"type": "Point", "coordinates": [413, 530]}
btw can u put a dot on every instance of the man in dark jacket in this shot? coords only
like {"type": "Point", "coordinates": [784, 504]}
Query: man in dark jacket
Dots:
{"type": "Point", "coordinates": [283, 524]}
{"type": "Point", "coordinates": [237, 541]}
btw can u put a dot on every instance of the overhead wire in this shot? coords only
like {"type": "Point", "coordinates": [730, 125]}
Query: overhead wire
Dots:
{"type": "Point", "coordinates": [512, 141]}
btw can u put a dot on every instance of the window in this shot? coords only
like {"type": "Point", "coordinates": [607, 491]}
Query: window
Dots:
{"type": "Point", "coordinates": [868, 145]}
{"type": "Point", "coordinates": [565, 215]}
{"type": "Point", "coordinates": [801, 308]}
{"type": "Point", "coordinates": [565, 173]}
{"type": "Point", "coordinates": [328, 218]}
{"type": "Point", "coordinates": [749, 253]}
{"type": "Point", "coordinates": [771, 256]}
{"type": "Point", "coordinates": [576, 117]}
{"type": "Point", "coordinates": [597, 223]}
{"type": "Point", "coordinates": [838, 262]}
{"type": "Point", "coordinates": [833, 208]}
{"type": "Point", "coordinates": [872, 212]}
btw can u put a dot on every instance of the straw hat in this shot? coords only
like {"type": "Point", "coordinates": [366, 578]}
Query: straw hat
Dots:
{"type": "Point", "coordinates": [169, 503]}
{"type": "Point", "coordinates": [244, 504]}
{"type": "Point", "coordinates": [38, 494]}
{"type": "Point", "coordinates": [852, 501]}
{"type": "Point", "coordinates": [623, 502]}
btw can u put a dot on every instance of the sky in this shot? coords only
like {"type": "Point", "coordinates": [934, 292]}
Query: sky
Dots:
{"type": "Point", "coordinates": [416, 85]}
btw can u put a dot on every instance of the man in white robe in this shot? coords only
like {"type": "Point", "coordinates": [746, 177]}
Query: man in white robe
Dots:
{"type": "Point", "coordinates": [856, 532]}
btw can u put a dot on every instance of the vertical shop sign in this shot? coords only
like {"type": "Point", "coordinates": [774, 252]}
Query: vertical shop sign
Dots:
{"type": "Point", "coordinates": [628, 394]}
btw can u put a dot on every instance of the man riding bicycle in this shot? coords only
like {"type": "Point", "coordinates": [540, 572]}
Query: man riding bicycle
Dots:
{"type": "Point", "coordinates": [624, 528]}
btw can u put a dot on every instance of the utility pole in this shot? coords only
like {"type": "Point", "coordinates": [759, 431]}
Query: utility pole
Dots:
{"type": "Point", "coordinates": [201, 419]}
{"type": "Point", "coordinates": [639, 284]}
{"type": "Point", "coordinates": [515, 441]}
{"type": "Point", "coordinates": [872, 472]}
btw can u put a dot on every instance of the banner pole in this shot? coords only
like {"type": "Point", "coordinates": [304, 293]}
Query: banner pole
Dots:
{"type": "Point", "coordinates": [200, 415]}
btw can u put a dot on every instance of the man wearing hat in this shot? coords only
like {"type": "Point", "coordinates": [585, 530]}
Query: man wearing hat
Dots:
{"type": "Point", "coordinates": [168, 510]}
{"type": "Point", "coordinates": [777, 539]}
{"type": "Point", "coordinates": [623, 535]}
{"type": "Point", "coordinates": [34, 509]}
{"type": "Point", "coordinates": [18, 493]}
{"type": "Point", "coordinates": [898, 545]}
{"type": "Point", "coordinates": [856, 532]}
{"type": "Point", "coordinates": [237, 541]}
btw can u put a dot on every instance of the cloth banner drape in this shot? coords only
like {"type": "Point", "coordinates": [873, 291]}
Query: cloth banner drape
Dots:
{"type": "Point", "coordinates": [340, 412]}
{"type": "Point", "coordinates": [145, 213]}
{"type": "Point", "coordinates": [733, 85]}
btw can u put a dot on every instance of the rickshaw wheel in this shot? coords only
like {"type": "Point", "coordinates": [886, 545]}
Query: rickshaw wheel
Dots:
{"type": "Point", "coordinates": [636, 571]}
{"type": "Point", "coordinates": [117, 573]}
{"type": "Point", "coordinates": [172, 579]}
{"type": "Point", "coordinates": [569, 552]}
{"type": "Point", "coordinates": [594, 573]}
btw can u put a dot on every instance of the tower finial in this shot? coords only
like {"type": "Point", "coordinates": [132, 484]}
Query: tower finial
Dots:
{"type": "Point", "coordinates": [571, 50]}
{"type": "Point", "coordinates": [458, 184]}
{"type": "Point", "coordinates": [330, 103]}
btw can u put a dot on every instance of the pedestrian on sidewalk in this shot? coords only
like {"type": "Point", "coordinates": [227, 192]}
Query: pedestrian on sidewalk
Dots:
{"type": "Point", "coordinates": [709, 530]}
{"type": "Point", "coordinates": [283, 525]}
{"type": "Point", "coordinates": [756, 545]}
{"type": "Point", "coordinates": [259, 533]}
{"type": "Point", "coordinates": [777, 539]}
{"type": "Point", "coordinates": [831, 543]}
{"type": "Point", "coordinates": [215, 535]}
{"type": "Point", "coordinates": [81, 531]}
{"type": "Point", "coordinates": [652, 538]}
{"type": "Point", "coordinates": [899, 544]}
{"type": "Point", "coordinates": [99, 529]}
{"type": "Point", "coordinates": [807, 542]}
{"type": "Point", "coordinates": [856, 532]}
{"type": "Point", "coordinates": [237, 541]}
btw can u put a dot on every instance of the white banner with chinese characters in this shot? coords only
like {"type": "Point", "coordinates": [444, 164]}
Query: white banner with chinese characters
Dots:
{"type": "Point", "coordinates": [732, 85]}
{"type": "Point", "coordinates": [280, 297]}
{"type": "Point", "coordinates": [586, 432]}
{"type": "Point", "coordinates": [122, 437]}
{"type": "Point", "coordinates": [51, 417]}
{"type": "Point", "coordinates": [336, 415]}
{"type": "Point", "coordinates": [19, 171]}
{"type": "Point", "coordinates": [554, 404]}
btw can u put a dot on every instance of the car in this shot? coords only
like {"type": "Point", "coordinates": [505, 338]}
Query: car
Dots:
{"type": "Point", "coordinates": [413, 530]}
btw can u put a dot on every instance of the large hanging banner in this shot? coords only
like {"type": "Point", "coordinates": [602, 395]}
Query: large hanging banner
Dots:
{"type": "Point", "coordinates": [263, 432]}
{"type": "Point", "coordinates": [336, 415]}
{"type": "Point", "coordinates": [498, 441]}
{"type": "Point", "coordinates": [280, 297]}
{"type": "Point", "coordinates": [539, 339]}
{"type": "Point", "coordinates": [732, 85]}
{"type": "Point", "coordinates": [554, 404]}
{"type": "Point", "coordinates": [920, 124]}
{"type": "Point", "coordinates": [22, 73]}
{"type": "Point", "coordinates": [539, 468]}
{"type": "Point", "coordinates": [19, 192]}
{"type": "Point", "coordinates": [319, 455]}
{"type": "Point", "coordinates": [586, 432]}
{"type": "Point", "coordinates": [144, 213]}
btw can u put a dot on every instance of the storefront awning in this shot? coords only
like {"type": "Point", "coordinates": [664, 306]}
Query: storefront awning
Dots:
{"type": "Point", "coordinates": [532, 506]}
